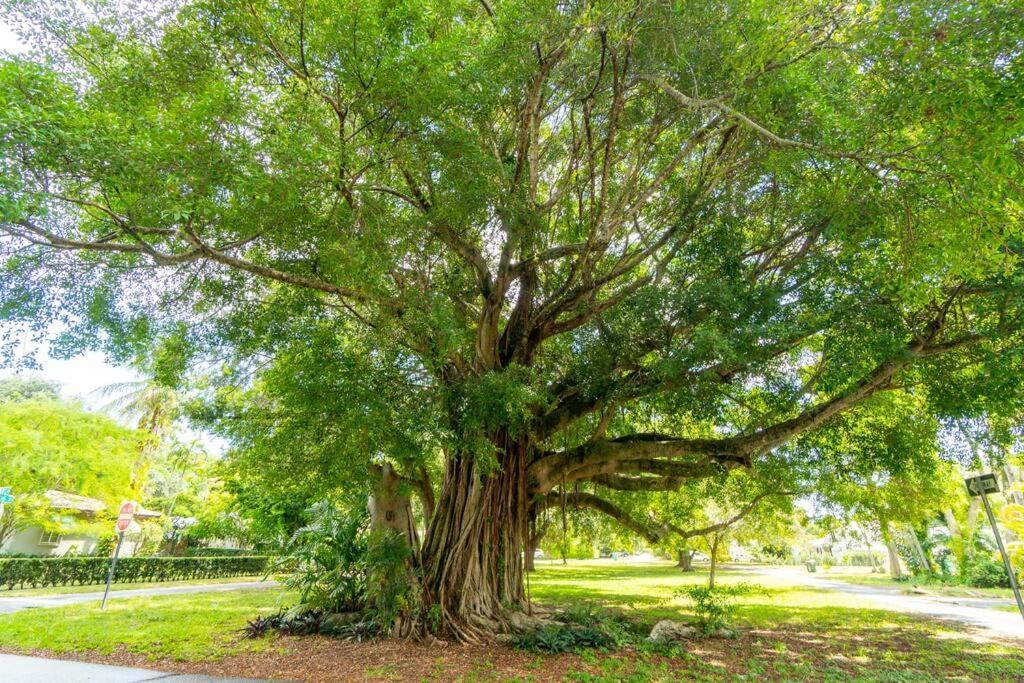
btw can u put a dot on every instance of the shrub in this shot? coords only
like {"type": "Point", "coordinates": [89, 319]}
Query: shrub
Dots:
{"type": "Point", "coordinates": [216, 552]}
{"type": "Point", "coordinates": [583, 626]}
{"type": "Point", "coordinates": [41, 572]}
{"type": "Point", "coordinates": [983, 570]}
{"type": "Point", "coordinates": [327, 561]}
{"type": "Point", "coordinates": [559, 638]}
{"type": "Point", "coordinates": [389, 591]}
{"type": "Point", "coordinates": [715, 608]}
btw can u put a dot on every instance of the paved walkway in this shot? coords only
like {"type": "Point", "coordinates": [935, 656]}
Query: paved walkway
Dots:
{"type": "Point", "coordinates": [11, 605]}
{"type": "Point", "coordinates": [976, 613]}
{"type": "Point", "coordinates": [18, 669]}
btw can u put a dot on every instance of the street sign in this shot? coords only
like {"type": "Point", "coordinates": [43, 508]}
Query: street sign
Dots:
{"type": "Point", "coordinates": [125, 517]}
{"type": "Point", "coordinates": [5, 497]}
{"type": "Point", "coordinates": [983, 483]}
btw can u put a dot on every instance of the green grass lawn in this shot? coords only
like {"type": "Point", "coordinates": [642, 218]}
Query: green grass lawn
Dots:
{"type": "Point", "coordinates": [797, 632]}
{"type": "Point", "coordinates": [934, 586]}
{"type": "Point", "coordinates": [789, 632]}
{"type": "Point", "coordinates": [185, 627]}
{"type": "Point", "coordinates": [98, 587]}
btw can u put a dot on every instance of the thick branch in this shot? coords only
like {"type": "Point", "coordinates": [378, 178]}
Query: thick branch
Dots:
{"type": "Point", "coordinates": [582, 499]}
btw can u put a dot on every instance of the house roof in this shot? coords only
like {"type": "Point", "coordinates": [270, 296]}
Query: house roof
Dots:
{"type": "Point", "coordinates": [70, 501]}
{"type": "Point", "coordinates": [147, 514]}
{"type": "Point", "coordinates": [62, 500]}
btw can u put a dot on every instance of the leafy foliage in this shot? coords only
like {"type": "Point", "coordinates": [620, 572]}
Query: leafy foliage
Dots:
{"type": "Point", "coordinates": [52, 444]}
{"type": "Point", "coordinates": [715, 608]}
{"type": "Point", "coordinates": [326, 561]}
{"type": "Point", "coordinates": [40, 572]}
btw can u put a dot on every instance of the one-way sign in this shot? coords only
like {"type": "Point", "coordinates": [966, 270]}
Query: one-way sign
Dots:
{"type": "Point", "coordinates": [983, 483]}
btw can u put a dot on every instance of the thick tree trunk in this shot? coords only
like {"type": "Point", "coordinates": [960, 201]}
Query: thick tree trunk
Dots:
{"type": "Point", "coordinates": [685, 560]}
{"type": "Point", "coordinates": [472, 555]}
{"type": "Point", "coordinates": [391, 509]}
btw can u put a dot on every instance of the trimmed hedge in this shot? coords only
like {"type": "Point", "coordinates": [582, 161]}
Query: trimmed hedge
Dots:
{"type": "Point", "coordinates": [42, 572]}
{"type": "Point", "coordinates": [216, 552]}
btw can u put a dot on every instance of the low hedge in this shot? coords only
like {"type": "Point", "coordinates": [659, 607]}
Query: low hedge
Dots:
{"type": "Point", "coordinates": [215, 552]}
{"type": "Point", "coordinates": [42, 572]}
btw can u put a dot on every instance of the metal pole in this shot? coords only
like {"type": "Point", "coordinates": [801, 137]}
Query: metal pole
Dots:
{"type": "Point", "coordinates": [1002, 551]}
{"type": "Point", "coordinates": [113, 564]}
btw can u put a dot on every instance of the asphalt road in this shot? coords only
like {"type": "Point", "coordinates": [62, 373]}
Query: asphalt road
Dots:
{"type": "Point", "coordinates": [11, 605]}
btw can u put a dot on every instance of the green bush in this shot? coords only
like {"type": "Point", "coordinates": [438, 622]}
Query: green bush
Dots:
{"type": "Point", "coordinates": [326, 561]}
{"type": "Point", "coordinates": [216, 552]}
{"type": "Point", "coordinates": [584, 626]}
{"type": "Point", "coordinates": [985, 571]}
{"type": "Point", "coordinates": [557, 638]}
{"type": "Point", "coordinates": [715, 607]}
{"type": "Point", "coordinates": [389, 590]}
{"type": "Point", "coordinates": [42, 572]}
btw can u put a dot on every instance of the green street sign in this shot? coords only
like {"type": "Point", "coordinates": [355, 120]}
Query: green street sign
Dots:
{"type": "Point", "coordinates": [5, 495]}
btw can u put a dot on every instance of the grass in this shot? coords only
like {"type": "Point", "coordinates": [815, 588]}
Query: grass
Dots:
{"type": "Point", "coordinates": [178, 627]}
{"type": "Point", "coordinates": [932, 585]}
{"type": "Point", "coordinates": [793, 631]}
{"type": "Point", "coordinates": [789, 632]}
{"type": "Point", "coordinates": [98, 587]}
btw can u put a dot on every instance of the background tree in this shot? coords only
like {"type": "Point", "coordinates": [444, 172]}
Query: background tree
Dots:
{"type": "Point", "coordinates": [154, 407]}
{"type": "Point", "coordinates": [506, 225]}
{"type": "Point", "coordinates": [50, 444]}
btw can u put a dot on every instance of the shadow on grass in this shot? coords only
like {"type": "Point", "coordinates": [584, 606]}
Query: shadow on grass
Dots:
{"type": "Point", "coordinates": [788, 632]}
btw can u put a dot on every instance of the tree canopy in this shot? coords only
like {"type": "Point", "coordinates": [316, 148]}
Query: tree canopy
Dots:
{"type": "Point", "coordinates": [590, 244]}
{"type": "Point", "coordinates": [49, 444]}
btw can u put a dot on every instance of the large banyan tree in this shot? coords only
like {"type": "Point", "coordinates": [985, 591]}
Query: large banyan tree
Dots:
{"type": "Point", "coordinates": [572, 247]}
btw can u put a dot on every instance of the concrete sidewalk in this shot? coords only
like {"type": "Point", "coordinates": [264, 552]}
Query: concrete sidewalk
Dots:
{"type": "Point", "coordinates": [18, 669]}
{"type": "Point", "coordinates": [11, 605]}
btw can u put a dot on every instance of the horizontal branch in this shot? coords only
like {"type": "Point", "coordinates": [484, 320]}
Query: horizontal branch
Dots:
{"type": "Point", "coordinates": [651, 532]}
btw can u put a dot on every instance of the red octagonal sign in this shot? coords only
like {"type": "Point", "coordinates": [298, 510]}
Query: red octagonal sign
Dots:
{"type": "Point", "coordinates": [125, 516]}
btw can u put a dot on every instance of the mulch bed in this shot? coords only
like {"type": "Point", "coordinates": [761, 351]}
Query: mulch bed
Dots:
{"type": "Point", "coordinates": [320, 659]}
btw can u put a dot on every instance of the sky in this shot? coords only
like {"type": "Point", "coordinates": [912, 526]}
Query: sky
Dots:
{"type": "Point", "coordinates": [82, 375]}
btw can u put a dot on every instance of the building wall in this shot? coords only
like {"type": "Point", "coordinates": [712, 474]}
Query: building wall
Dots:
{"type": "Point", "coordinates": [27, 541]}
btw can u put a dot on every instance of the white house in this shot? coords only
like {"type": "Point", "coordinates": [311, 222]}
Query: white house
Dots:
{"type": "Point", "coordinates": [35, 540]}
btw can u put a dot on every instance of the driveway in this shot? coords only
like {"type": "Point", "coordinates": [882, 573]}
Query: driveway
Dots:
{"type": "Point", "coordinates": [976, 613]}
{"type": "Point", "coordinates": [18, 669]}
{"type": "Point", "coordinates": [11, 605]}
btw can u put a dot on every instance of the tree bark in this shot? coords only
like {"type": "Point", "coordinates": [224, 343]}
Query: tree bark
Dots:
{"type": "Point", "coordinates": [894, 556]}
{"type": "Point", "coordinates": [472, 555]}
{"type": "Point", "coordinates": [390, 508]}
{"type": "Point", "coordinates": [715, 539]}
{"type": "Point", "coordinates": [685, 560]}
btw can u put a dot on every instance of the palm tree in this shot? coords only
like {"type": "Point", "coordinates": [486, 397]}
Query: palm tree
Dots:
{"type": "Point", "coordinates": [154, 407]}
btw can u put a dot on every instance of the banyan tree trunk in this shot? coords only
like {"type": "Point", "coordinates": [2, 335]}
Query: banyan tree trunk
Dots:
{"type": "Point", "coordinates": [390, 508]}
{"type": "Point", "coordinates": [472, 556]}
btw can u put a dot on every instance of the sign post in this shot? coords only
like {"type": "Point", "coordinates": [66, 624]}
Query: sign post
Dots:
{"type": "Point", "coordinates": [5, 497]}
{"type": "Point", "coordinates": [124, 520]}
{"type": "Point", "coordinates": [982, 485]}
